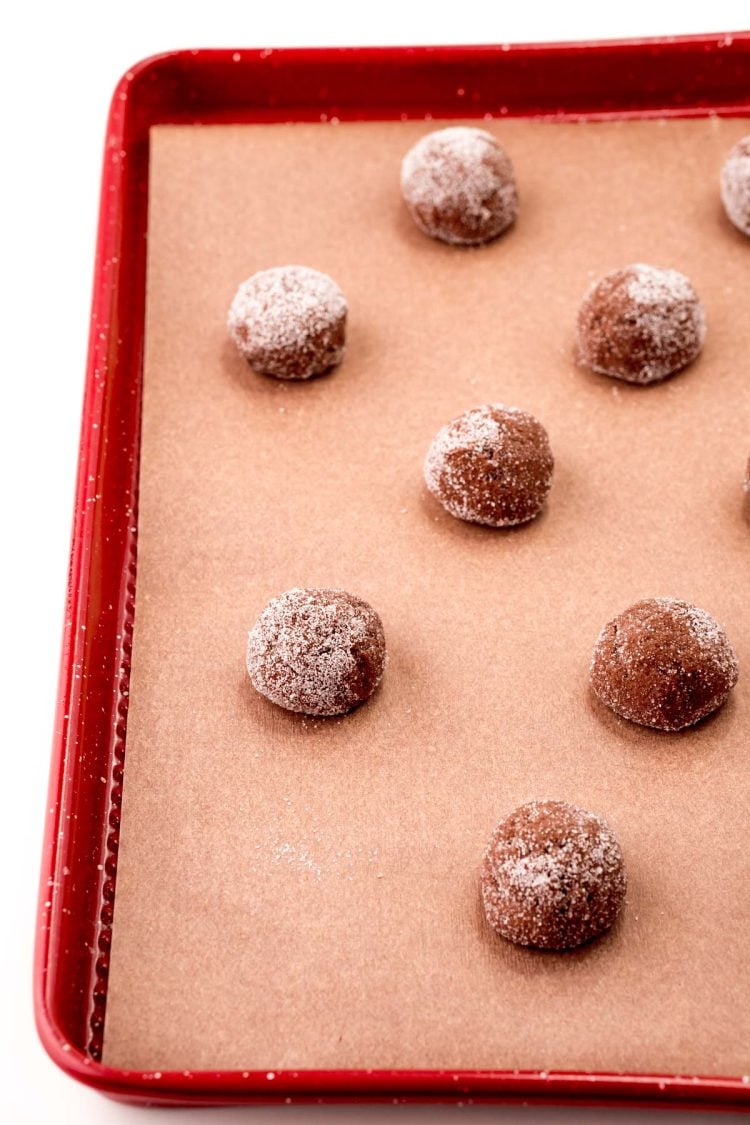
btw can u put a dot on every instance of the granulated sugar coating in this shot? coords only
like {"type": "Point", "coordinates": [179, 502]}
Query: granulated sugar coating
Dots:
{"type": "Point", "coordinates": [320, 652]}
{"type": "Point", "coordinates": [552, 876]}
{"type": "Point", "coordinates": [459, 186]}
{"type": "Point", "coordinates": [289, 322]}
{"type": "Point", "coordinates": [640, 324]}
{"type": "Point", "coordinates": [663, 663]}
{"type": "Point", "coordinates": [735, 185]}
{"type": "Point", "coordinates": [492, 465]}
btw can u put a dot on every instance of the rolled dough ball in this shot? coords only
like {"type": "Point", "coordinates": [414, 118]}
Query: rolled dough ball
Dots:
{"type": "Point", "coordinates": [289, 322]}
{"type": "Point", "coordinates": [735, 185]}
{"type": "Point", "coordinates": [552, 876]}
{"type": "Point", "coordinates": [640, 324]}
{"type": "Point", "coordinates": [459, 186]}
{"type": "Point", "coordinates": [492, 465]}
{"type": "Point", "coordinates": [321, 652]}
{"type": "Point", "coordinates": [663, 663]}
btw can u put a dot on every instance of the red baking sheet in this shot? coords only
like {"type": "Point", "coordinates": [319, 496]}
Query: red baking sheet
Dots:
{"type": "Point", "coordinates": [675, 77]}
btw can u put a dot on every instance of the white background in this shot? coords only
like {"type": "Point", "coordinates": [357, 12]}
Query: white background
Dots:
{"type": "Point", "coordinates": [60, 64]}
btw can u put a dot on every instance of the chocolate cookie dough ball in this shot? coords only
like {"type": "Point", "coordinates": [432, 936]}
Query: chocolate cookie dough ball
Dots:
{"type": "Point", "coordinates": [289, 322]}
{"type": "Point", "coordinates": [663, 663]}
{"type": "Point", "coordinates": [552, 876]}
{"type": "Point", "coordinates": [640, 324]}
{"type": "Point", "coordinates": [735, 185]}
{"type": "Point", "coordinates": [492, 465]}
{"type": "Point", "coordinates": [459, 186]}
{"type": "Point", "coordinates": [321, 652]}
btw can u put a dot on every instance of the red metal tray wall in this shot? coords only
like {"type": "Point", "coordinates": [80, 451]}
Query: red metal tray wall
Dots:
{"type": "Point", "coordinates": [666, 77]}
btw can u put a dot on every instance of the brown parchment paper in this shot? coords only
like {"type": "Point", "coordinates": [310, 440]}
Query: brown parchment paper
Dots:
{"type": "Point", "coordinates": [295, 893]}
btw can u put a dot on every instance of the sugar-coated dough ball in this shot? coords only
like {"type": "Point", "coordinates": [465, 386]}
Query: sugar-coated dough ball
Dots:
{"type": "Point", "coordinates": [663, 663]}
{"type": "Point", "coordinates": [552, 876]}
{"type": "Point", "coordinates": [459, 185]}
{"type": "Point", "coordinates": [735, 185]}
{"type": "Point", "coordinates": [492, 465]}
{"type": "Point", "coordinates": [640, 324]}
{"type": "Point", "coordinates": [320, 652]}
{"type": "Point", "coordinates": [289, 322]}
